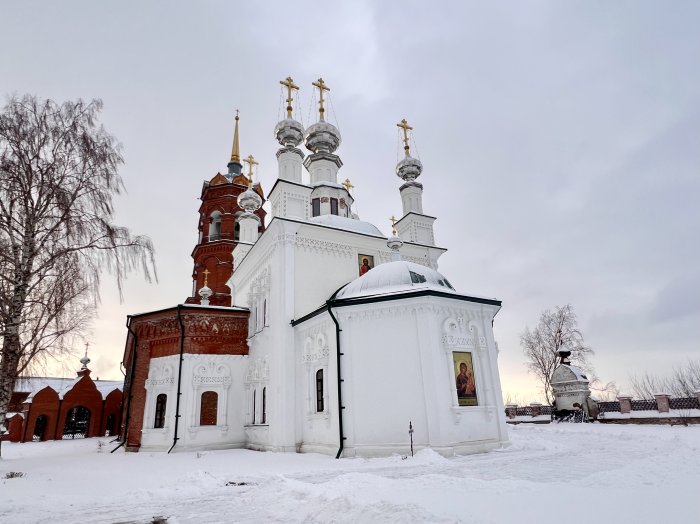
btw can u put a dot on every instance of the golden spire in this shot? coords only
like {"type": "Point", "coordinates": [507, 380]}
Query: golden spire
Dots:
{"type": "Point", "coordinates": [236, 151]}
{"type": "Point", "coordinates": [289, 84]}
{"type": "Point", "coordinates": [321, 88]}
{"type": "Point", "coordinates": [347, 185]}
{"type": "Point", "coordinates": [206, 277]}
{"type": "Point", "coordinates": [250, 160]}
{"type": "Point", "coordinates": [406, 128]}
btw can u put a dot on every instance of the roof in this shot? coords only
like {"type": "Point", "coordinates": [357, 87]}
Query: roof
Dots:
{"type": "Point", "coordinates": [568, 373]}
{"type": "Point", "coordinates": [395, 277]}
{"type": "Point", "coordinates": [33, 385]}
{"type": "Point", "coordinates": [348, 224]}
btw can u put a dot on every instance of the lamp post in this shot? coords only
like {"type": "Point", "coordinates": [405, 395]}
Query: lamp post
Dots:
{"type": "Point", "coordinates": [410, 433]}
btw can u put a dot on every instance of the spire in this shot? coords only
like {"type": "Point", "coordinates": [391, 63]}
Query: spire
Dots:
{"type": "Point", "coordinates": [234, 166]}
{"type": "Point", "coordinates": [394, 242]}
{"type": "Point", "coordinates": [321, 88]}
{"type": "Point", "coordinates": [409, 168]}
{"type": "Point", "coordinates": [85, 360]}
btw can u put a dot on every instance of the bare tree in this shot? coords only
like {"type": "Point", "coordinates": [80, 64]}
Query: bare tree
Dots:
{"type": "Point", "coordinates": [684, 381]}
{"type": "Point", "coordinates": [58, 176]}
{"type": "Point", "coordinates": [557, 330]}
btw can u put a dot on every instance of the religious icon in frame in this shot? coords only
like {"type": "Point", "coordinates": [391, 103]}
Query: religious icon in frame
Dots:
{"type": "Point", "coordinates": [365, 263]}
{"type": "Point", "coordinates": [465, 381]}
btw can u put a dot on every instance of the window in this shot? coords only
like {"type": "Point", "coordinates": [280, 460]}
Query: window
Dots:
{"type": "Point", "coordinates": [159, 420]}
{"type": "Point", "coordinates": [215, 227]}
{"type": "Point", "coordinates": [263, 420]}
{"type": "Point", "coordinates": [208, 408]}
{"type": "Point", "coordinates": [264, 312]}
{"type": "Point", "coordinates": [253, 407]}
{"type": "Point", "coordinates": [315, 207]}
{"type": "Point", "coordinates": [334, 206]}
{"type": "Point", "coordinates": [319, 391]}
{"type": "Point", "coordinates": [237, 231]}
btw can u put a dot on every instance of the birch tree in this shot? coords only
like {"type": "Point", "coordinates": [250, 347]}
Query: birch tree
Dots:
{"type": "Point", "coordinates": [58, 178]}
{"type": "Point", "coordinates": [557, 330]}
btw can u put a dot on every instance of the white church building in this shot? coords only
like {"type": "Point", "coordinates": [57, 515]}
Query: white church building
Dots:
{"type": "Point", "coordinates": [351, 336]}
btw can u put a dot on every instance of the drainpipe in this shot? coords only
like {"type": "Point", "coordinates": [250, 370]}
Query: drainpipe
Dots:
{"type": "Point", "coordinates": [131, 382]}
{"type": "Point", "coordinates": [26, 424]}
{"type": "Point", "coordinates": [338, 354]}
{"type": "Point", "coordinates": [179, 375]}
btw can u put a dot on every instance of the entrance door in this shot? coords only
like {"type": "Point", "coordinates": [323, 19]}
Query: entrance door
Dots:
{"type": "Point", "coordinates": [77, 423]}
{"type": "Point", "coordinates": [40, 428]}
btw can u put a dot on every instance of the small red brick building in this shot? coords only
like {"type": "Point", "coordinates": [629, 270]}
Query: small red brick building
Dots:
{"type": "Point", "coordinates": [45, 408]}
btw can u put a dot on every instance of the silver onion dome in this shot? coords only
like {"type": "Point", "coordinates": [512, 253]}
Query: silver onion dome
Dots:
{"type": "Point", "coordinates": [409, 169]}
{"type": "Point", "coordinates": [289, 132]}
{"type": "Point", "coordinates": [322, 137]}
{"type": "Point", "coordinates": [249, 201]}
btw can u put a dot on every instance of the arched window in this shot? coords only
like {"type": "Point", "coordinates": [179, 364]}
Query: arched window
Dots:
{"type": "Point", "coordinates": [40, 428]}
{"type": "Point", "coordinates": [334, 206]}
{"type": "Point", "coordinates": [319, 391]}
{"type": "Point", "coordinates": [215, 227]}
{"type": "Point", "coordinates": [237, 231]}
{"type": "Point", "coordinates": [253, 407]}
{"type": "Point", "coordinates": [159, 419]}
{"type": "Point", "coordinates": [208, 408]}
{"type": "Point", "coordinates": [263, 420]}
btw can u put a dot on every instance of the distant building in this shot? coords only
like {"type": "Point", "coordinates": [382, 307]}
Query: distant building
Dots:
{"type": "Point", "coordinates": [46, 408]}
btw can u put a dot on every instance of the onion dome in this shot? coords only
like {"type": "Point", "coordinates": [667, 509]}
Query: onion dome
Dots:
{"type": "Point", "coordinates": [394, 243]}
{"type": "Point", "coordinates": [205, 292]}
{"type": "Point", "coordinates": [409, 169]}
{"type": "Point", "coordinates": [322, 137]}
{"type": "Point", "coordinates": [289, 133]}
{"type": "Point", "coordinates": [85, 360]}
{"type": "Point", "coordinates": [249, 200]}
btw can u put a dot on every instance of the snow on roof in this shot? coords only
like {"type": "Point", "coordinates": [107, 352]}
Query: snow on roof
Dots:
{"type": "Point", "coordinates": [33, 385]}
{"type": "Point", "coordinates": [560, 374]}
{"type": "Point", "coordinates": [348, 224]}
{"type": "Point", "coordinates": [395, 277]}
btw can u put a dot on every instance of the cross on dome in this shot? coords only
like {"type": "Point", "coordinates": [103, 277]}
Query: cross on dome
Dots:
{"type": "Point", "coordinates": [406, 128]}
{"type": "Point", "coordinates": [250, 160]}
{"type": "Point", "coordinates": [85, 360]}
{"type": "Point", "coordinates": [347, 185]}
{"type": "Point", "coordinates": [206, 277]}
{"type": "Point", "coordinates": [289, 84]}
{"type": "Point", "coordinates": [321, 88]}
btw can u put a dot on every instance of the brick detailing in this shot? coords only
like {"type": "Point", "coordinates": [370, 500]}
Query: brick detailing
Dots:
{"type": "Point", "coordinates": [207, 332]}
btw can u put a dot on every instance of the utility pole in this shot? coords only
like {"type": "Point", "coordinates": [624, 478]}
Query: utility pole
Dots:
{"type": "Point", "coordinates": [410, 433]}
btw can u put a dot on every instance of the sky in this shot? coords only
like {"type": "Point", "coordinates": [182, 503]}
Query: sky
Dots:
{"type": "Point", "coordinates": [560, 144]}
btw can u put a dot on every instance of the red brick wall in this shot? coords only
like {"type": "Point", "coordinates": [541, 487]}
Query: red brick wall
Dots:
{"type": "Point", "coordinates": [85, 394]}
{"type": "Point", "coordinates": [210, 332]}
{"type": "Point", "coordinates": [45, 402]}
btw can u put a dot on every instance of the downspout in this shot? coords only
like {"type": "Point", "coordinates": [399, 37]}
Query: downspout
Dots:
{"type": "Point", "coordinates": [341, 438]}
{"type": "Point", "coordinates": [179, 375]}
{"type": "Point", "coordinates": [26, 424]}
{"type": "Point", "coordinates": [131, 382]}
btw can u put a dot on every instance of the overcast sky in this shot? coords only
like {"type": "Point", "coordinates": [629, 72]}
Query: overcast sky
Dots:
{"type": "Point", "coordinates": [560, 143]}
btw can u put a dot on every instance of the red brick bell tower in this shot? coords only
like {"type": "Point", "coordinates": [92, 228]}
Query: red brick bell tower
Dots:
{"type": "Point", "coordinates": [218, 229]}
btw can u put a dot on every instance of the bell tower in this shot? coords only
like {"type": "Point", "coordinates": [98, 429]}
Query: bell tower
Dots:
{"type": "Point", "coordinates": [219, 228]}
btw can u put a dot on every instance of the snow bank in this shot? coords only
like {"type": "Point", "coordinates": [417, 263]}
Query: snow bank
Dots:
{"type": "Point", "coordinates": [634, 474]}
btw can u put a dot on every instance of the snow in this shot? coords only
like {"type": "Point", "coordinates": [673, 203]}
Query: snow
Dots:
{"type": "Point", "coordinates": [347, 224]}
{"type": "Point", "coordinates": [394, 277]}
{"type": "Point", "coordinates": [550, 473]}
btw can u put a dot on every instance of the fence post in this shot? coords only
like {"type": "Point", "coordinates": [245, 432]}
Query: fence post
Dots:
{"type": "Point", "coordinates": [511, 410]}
{"type": "Point", "coordinates": [625, 404]}
{"type": "Point", "coordinates": [662, 402]}
{"type": "Point", "coordinates": [535, 407]}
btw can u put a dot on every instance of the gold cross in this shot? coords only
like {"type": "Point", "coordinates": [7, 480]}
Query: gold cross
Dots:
{"type": "Point", "coordinates": [251, 162]}
{"type": "Point", "coordinates": [289, 84]}
{"type": "Point", "coordinates": [393, 224]}
{"type": "Point", "coordinates": [321, 88]}
{"type": "Point", "coordinates": [206, 277]}
{"type": "Point", "coordinates": [347, 185]}
{"type": "Point", "coordinates": [406, 128]}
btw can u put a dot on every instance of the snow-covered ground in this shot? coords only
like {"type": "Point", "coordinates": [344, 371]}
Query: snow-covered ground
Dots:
{"type": "Point", "coordinates": [550, 474]}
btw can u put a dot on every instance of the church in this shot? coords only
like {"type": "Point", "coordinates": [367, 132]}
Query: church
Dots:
{"type": "Point", "coordinates": [308, 329]}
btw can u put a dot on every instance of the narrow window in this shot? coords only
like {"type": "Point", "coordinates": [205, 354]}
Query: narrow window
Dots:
{"type": "Point", "coordinates": [315, 207]}
{"type": "Point", "coordinates": [254, 406]}
{"type": "Point", "coordinates": [264, 406]}
{"type": "Point", "coordinates": [319, 391]}
{"type": "Point", "coordinates": [215, 227]}
{"type": "Point", "coordinates": [161, 401]}
{"type": "Point", "coordinates": [237, 231]}
{"type": "Point", "coordinates": [334, 206]}
{"type": "Point", "coordinates": [264, 312]}
{"type": "Point", "coordinates": [208, 408]}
